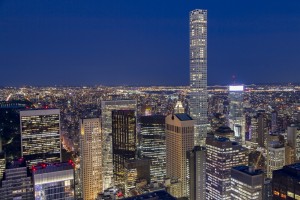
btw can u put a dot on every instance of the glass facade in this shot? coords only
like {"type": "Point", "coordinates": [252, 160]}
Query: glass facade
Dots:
{"type": "Point", "coordinates": [106, 119]}
{"type": "Point", "coordinates": [124, 141]}
{"type": "Point", "coordinates": [54, 182]}
{"type": "Point", "coordinates": [153, 144]}
{"type": "Point", "coordinates": [40, 135]}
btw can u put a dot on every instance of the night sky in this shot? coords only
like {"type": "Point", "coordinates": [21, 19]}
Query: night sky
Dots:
{"type": "Point", "coordinates": [145, 42]}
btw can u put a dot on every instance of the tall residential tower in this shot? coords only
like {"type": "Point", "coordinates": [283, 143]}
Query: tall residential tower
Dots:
{"type": "Point", "coordinates": [91, 157]}
{"type": "Point", "coordinates": [198, 73]}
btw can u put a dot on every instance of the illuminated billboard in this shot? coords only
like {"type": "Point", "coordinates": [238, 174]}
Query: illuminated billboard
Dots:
{"type": "Point", "coordinates": [233, 88]}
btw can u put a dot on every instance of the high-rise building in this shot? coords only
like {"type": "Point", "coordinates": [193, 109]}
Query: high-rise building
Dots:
{"type": "Point", "coordinates": [197, 175]}
{"type": "Point", "coordinates": [106, 119]}
{"type": "Point", "coordinates": [179, 140]}
{"type": "Point", "coordinates": [54, 181]}
{"type": "Point", "coordinates": [124, 140]}
{"type": "Point", "coordinates": [286, 182]}
{"type": "Point", "coordinates": [222, 155]}
{"type": "Point", "coordinates": [153, 144]}
{"type": "Point", "coordinates": [91, 158]}
{"type": "Point", "coordinates": [17, 181]}
{"type": "Point", "coordinates": [10, 127]}
{"type": "Point", "coordinates": [40, 135]}
{"type": "Point", "coordinates": [246, 183]}
{"type": "Point", "coordinates": [275, 157]}
{"type": "Point", "coordinates": [293, 139]}
{"type": "Point", "coordinates": [198, 73]}
{"type": "Point", "coordinates": [236, 116]}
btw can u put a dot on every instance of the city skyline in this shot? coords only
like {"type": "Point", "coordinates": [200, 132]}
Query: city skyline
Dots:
{"type": "Point", "coordinates": [50, 41]}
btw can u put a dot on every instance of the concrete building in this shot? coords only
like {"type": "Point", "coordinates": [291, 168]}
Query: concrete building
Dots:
{"type": "Point", "coordinates": [293, 139]}
{"type": "Point", "coordinates": [179, 140]}
{"type": "Point", "coordinates": [222, 155]}
{"type": "Point", "coordinates": [91, 158]}
{"type": "Point", "coordinates": [197, 175]}
{"type": "Point", "coordinates": [40, 135]}
{"type": "Point", "coordinates": [275, 157]}
{"type": "Point", "coordinates": [246, 183]}
{"type": "Point", "coordinates": [106, 119]}
{"type": "Point", "coordinates": [198, 73]}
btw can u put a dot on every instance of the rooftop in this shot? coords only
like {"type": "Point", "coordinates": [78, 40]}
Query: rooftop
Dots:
{"type": "Point", "coordinates": [248, 170]}
{"type": "Point", "coordinates": [183, 117]}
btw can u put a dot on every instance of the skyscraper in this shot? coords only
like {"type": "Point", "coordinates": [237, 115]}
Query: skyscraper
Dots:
{"type": "Point", "coordinates": [197, 175]}
{"type": "Point", "coordinates": [91, 158]}
{"type": "Point", "coordinates": [236, 117]}
{"type": "Point", "coordinates": [124, 142]}
{"type": "Point", "coordinates": [246, 183]}
{"type": "Point", "coordinates": [40, 135]}
{"type": "Point", "coordinates": [222, 155]}
{"type": "Point", "coordinates": [198, 73]}
{"type": "Point", "coordinates": [286, 182]}
{"type": "Point", "coordinates": [106, 119]}
{"type": "Point", "coordinates": [179, 140]}
{"type": "Point", "coordinates": [17, 181]}
{"type": "Point", "coordinates": [153, 144]}
{"type": "Point", "coordinates": [276, 157]}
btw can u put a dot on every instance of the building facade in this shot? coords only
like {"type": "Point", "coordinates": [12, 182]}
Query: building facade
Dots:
{"type": "Point", "coordinates": [91, 158]}
{"type": "Point", "coordinates": [53, 181]}
{"type": "Point", "coordinates": [246, 183]}
{"type": "Point", "coordinates": [153, 144]}
{"type": "Point", "coordinates": [222, 155]}
{"type": "Point", "coordinates": [17, 181]}
{"type": "Point", "coordinates": [286, 182]}
{"type": "Point", "coordinates": [40, 135]}
{"type": "Point", "coordinates": [236, 115]}
{"type": "Point", "coordinates": [197, 175]}
{"type": "Point", "coordinates": [198, 73]}
{"type": "Point", "coordinates": [124, 142]}
{"type": "Point", "coordinates": [275, 157]}
{"type": "Point", "coordinates": [179, 140]}
{"type": "Point", "coordinates": [106, 119]}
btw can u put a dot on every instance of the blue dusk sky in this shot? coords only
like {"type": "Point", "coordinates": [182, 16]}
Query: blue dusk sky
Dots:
{"type": "Point", "coordinates": [145, 42]}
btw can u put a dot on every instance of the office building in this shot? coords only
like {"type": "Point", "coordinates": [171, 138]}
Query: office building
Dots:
{"type": "Point", "coordinates": [124, 140]}
{"type": "Point", "coordinates": [40, 135]}
{"type": "Point", "coordinates": [135, 171]}
{"type": "Point", "coordinates": [10, 127]}
{"type": "Point", "coordinates": [197, 176]}
{"type": "Point", "coordinates": [53, 181]}
{"type": "Point", "coordinates": [222, 155]}
{"type": "Point", "coordinates": [198, 73]}
{"type": "Point", "coordinates": [293, 139]}
{"type": "Point", "coordinates": [106, 119]}
{"type": "Point", "coordinates": [179, 140]}
{"type": "Point", "coordinates": [275, 157]}
{"type": "Point", "coordinates": [246, 183]}
{"type": "Point", "coordinates": [236, 116]}
{"type": "Point", "coordinates": [286, 182]}
{"type": "Point", "coordinates": [91, 158]}
{"type": "Point", "coordinates": [17, 181]}
{"type": "Point", "coordinates": [153, 144]}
